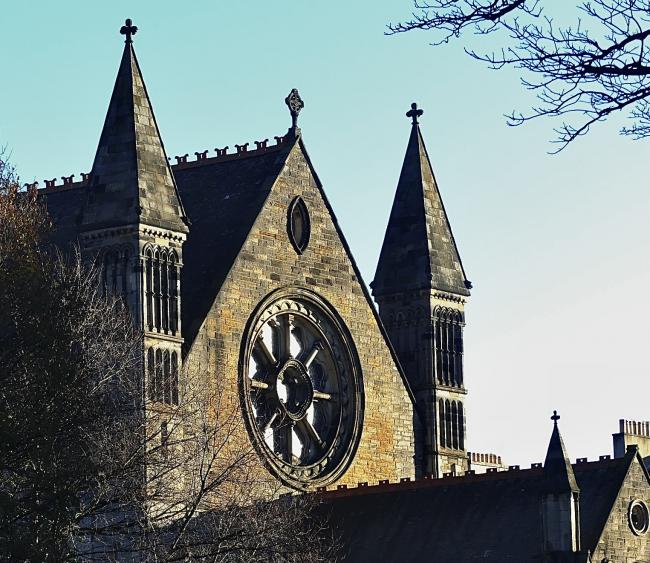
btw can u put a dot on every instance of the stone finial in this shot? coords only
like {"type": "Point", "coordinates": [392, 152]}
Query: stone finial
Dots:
{"type": "Point", "coordinates": [129, 30]}
{"type": "Point", "coordinates": [261, 144]}
{"type": "Point", "coordinates": [181, 159]}
{"type": "Point", "coordinates": [414, 113]}
{"type": "Point", "coordinates": [201, 155]}
{"type": "Point", "coordinates": [242, 148]}
{"type": "Point", "coordinates": [67, 180]}
{"type": "Point", "coordinates": [278, 139]}
{"type": "Point", "coordinates": [222, 152]}
{"type": "Point", "coordinates": [50, 183]}
{"type": "Point", "coordinates": [84, 176]}
{"type": "Point", "coordinates": [295, 104]}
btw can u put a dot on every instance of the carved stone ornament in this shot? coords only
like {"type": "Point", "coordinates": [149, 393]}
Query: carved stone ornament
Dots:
{"type": "Point", "coordinates": [301, 389]}
{"type": "Point", "coordinates": [295, 104]}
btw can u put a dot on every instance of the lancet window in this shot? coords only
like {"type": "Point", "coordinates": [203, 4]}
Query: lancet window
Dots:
{"type": "Point", "coordinates": [161, 287]}
{"type": "Point", "coordinates": [448, 332]}
{"type": "Point", "coordinates": [451, 424]}
{"type": "Point", "coordinates": [162, 376]}
{"type": "Point", "coordinates": [115, 272]}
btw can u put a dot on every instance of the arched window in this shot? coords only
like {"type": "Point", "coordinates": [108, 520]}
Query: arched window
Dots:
{"type": "Point", "coordinates": [173, 293]}
{"type": "Point", "coordinates": [158, 383]}
{"type": "Point", "coordinates": [441, 423]}
{"type": "Point", "coordinates": [448, 428]}
{"type": "Point", "coordinates": [174, 378]}
{"type": "Point", "coordinates": [156, 290]}
{"type": "Point", "coordinates": [149, 287]}
{"type": "Point", "coordinates": [167, 378]}
{"type": "Point", "coordinates": [448, 344]}
{"type": "Point", "coordinates": [151, 374]}
{"type": "Point", "coordinates": [454, 425]}
{"type": "Point", "coordinates": [164, 291]}
{"type": "Point", "coordinates": [461, 426]}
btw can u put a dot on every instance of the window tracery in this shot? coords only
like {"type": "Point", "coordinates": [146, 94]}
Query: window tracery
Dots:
{"type": "Point", "coordinates": [162, 376]}
{"type": "Point", "coordinates": [451, 424]}
{"type": "Point", "coordinates": [448, 339]}
{"type": "Point", "coordinates": [161, 287]}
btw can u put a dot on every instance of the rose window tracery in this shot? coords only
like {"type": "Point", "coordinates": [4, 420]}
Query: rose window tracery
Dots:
{"type": "Point", "coordinates": [302, 390]}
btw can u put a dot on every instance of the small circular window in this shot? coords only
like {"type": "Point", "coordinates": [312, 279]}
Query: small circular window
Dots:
{"type": "Point", "coordinates": [298, 225]}
{"type": "Point", "coordinates": [639, 517]}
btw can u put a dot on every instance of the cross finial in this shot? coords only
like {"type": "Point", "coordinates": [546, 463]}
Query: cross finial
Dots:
{"type": "Point", "coordinates": [295, 104]}
{"type": "Point", "coordinates": [129, 30]}
{"type": "Point", "coordinates": [414, 113]}
{"type": "Point", "coordinates": [555, 417]}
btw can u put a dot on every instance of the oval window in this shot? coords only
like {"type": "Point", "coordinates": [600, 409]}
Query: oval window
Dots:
{"type": "Point", "coordinates": [639, 517]}
{"type": "Point", "coordinates": [298, 225]}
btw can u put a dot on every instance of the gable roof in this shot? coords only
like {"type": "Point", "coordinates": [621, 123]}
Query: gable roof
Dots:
{"type": "Point", "coordinates": [419, 250]}
{"type": "Point", "coordinates": [222, 197]}
{"type": "Point", "coordinates": [489, 517]}
{"type": "Point", "coordinates": [131, 181]}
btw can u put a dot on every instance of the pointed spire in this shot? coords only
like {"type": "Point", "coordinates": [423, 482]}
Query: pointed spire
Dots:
{"type": "Point", "coordinates": [419, 251]}
{"type": "Point", "coordinates": [131, 181]}
{"type": "Point", "coordinates": [557, 466]}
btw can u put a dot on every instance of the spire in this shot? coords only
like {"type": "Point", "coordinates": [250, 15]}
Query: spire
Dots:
{"type": "Point", "coordinates": [131, 181]}
{"type": "Point", "coordinates": [419, 251]}
{"type": "Point", "coordinates": [557, 466]}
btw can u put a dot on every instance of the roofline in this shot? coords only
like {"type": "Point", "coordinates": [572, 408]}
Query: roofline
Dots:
{"type": "Point", "coordinates": [407, 484]}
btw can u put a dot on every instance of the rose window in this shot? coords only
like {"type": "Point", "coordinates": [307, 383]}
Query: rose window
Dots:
{"type": "Point", "coordinates": [302, 391]}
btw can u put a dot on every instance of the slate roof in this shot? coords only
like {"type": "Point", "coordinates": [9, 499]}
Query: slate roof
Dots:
{"type": "Point", "coordinates": [557, 466]}
{"type": "Point", "coordinates": [131, 181]}
{"type": "Point", "coordinates": [222, 198]}
{"type": "Point", "coordinates": [419, 251]}
{"type": "Point", "coordinates": [488, 517]}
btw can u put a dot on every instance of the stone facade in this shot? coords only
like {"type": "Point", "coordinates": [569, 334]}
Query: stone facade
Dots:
{"type": "Point", "coordinates": [618, 541]}
{"type": "Point", "coordinates": [268, 262]}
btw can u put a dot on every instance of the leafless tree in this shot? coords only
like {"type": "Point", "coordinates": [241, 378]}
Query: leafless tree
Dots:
{"type": "Point", "coordinates": [91, 470]}
{"type": "Point", "coordinates": [581, 73]}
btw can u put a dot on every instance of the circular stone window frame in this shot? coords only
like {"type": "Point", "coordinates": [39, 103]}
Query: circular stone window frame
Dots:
{"type": "Point", "coordinates": [646, 513]}
{"type": "Point", "coordinates": [298, 480]}
{"type": "Point", "coordinates": [298, 205]}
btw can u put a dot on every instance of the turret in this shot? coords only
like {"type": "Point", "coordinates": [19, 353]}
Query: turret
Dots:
{"type": "Point", "coordinates": [133, 223]}
{"type": "Point", "coordinates": [421, 290]}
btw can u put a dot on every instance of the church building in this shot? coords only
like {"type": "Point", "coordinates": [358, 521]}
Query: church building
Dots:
{"type": "Point", "coordinates": [233, 264]}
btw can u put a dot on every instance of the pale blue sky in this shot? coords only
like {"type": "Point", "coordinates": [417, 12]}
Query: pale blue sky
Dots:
{"type": "Point", "coordinates": [557, 246]}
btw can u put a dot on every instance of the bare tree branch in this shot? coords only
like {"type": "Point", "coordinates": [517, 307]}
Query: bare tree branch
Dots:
{"type": "Point", "coordinates": [581, 74]}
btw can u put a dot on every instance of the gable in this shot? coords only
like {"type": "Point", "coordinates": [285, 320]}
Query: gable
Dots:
{"type": "Point", "coordinates": [268, 262]}
{"type": "Point", "coordinates": [617, 541]}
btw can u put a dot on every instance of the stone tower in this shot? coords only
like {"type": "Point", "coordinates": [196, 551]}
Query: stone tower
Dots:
{"type": "Point", "coordinates": [421, 289]}
{"type": "Point", "coordinates": [133, 224]}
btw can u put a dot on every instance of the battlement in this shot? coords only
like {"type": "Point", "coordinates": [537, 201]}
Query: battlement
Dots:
{"type": "Point", "coordinates": [182, 161]}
